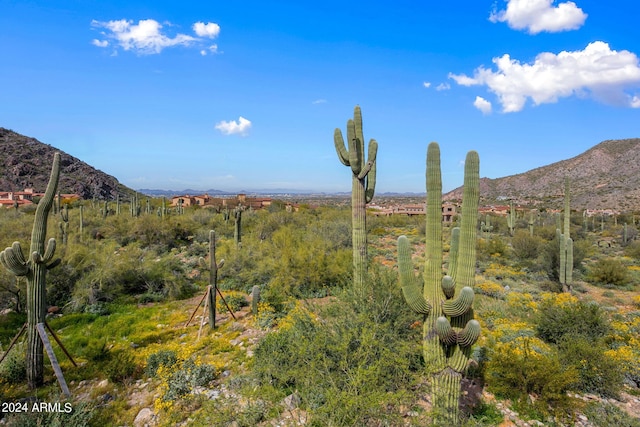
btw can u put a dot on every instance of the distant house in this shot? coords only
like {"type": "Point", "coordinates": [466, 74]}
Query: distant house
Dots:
{"type": "Point", "coordinates": [25, 197]}
{"type": "Point", "coordinates": [207, 201]}
{"type": "Point", "coordinates": [449, 210]}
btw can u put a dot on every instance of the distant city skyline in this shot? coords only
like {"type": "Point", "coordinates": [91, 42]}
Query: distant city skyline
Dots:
{"type": "Point", "coordinates": [166, 95]}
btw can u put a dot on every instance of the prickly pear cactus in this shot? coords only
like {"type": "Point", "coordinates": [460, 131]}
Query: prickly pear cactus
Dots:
{"type": "Point", "coordinates": [363, 185]}
{"type": "Point", "coordinates": [34, 268]}
{"type": "Point", "coordinates": [445, 301]}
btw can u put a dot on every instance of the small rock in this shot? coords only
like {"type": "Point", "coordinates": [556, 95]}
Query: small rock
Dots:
{"type": "Point", "coordinates": [144, 417]}
{"type": "Point", "coordinates": [103, 383]}
{"type": "Point", "coordinates": [292, 401]}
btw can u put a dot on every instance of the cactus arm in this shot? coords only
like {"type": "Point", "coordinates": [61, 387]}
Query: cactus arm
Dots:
{"type": "Point", "coordinates": [445, 332]}
{"type": "Point", "coordinates": [373, 151]}
{"type": "Point", "coordinates": [356, 154]}
{"type": "Point", "coordinates": [460, 305]}
{"type": "Point", "coordinates": [370, 184]}
{"type": "Point", "coordinates": [470, 334]}
{"type": "Point", "coordinates": [50, 251]}
{"type": "Point", "coordinates": [448, 286]}
{"type": "Point", "coordinates": [343, 154]}
{"type": "Point", "coordinates": [453, 252]}
{"type": "Point", "coordinates": [13, 260]}
{"type": "Point", "coordinates": [466, 263]}
{"type": "Point", "coordinates": [411, 288]}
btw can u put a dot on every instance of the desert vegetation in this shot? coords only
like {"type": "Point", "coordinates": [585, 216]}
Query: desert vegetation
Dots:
{"type": "Point", "coordinates": [520, 330]}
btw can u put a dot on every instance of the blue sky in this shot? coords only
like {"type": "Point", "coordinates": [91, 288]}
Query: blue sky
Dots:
{"type": "Point", "coordinates": [241, 96]}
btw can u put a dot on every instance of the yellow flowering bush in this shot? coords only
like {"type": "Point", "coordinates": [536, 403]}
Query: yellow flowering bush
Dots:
{"type": "Point", "coordinates": [522, 302]}
{"type": "Point", "coordinates": [502, 271]}
{"type": "Point", "coordinates": [489, 288]}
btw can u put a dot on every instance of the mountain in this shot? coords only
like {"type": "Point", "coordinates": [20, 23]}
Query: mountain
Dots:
{"type": "Point", "coordinates": [605, 176]}
{"type": "Point", "coordinates": [26, 163]}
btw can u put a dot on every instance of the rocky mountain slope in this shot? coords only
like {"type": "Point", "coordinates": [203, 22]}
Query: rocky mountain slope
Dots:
{"type": "Point", "coordinates": [605, 176]}
{"type": "Point", "coordinates": [26, 162]}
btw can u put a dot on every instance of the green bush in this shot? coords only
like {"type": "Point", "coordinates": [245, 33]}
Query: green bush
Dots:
{"type": "Point", "coordinates": [633, 250]}
{"type": "Point", "coordinates": [555, 321]}
{"type": "Point", "coordinates": [597, 372]}
{"type": "Point", "coordinates": [182, 381]}
{"type": "Point", "coordinates": [520, 370]}
{"type": "Point", "coordinates": [235, 301]}
{"type": "Point", "coordinates": [608, 414]}
{"type": "Point", "coordinates": [357, 354]}
{"type": "Point", "coordinates": [525, 246]}
{"type": "Point", "coordinates": [121, 367]}
{"type": "Point", "coordinates": [13, 369]}
{"type": "Point", "coordinates": [609, 272]}
{"type": "Point", "coordinates": [160, 358]}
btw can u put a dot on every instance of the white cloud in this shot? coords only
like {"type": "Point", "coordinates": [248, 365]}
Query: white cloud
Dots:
{"type": "Point", "coordinates": [210, 29]}
{"type": "Point", "coordinates": [211, 49]}
{"type": "Point", "coordinates": [426, 84]}
{"type": "Point", "coordinates": [443, 86]}
{"type": "Point", "coordinates": [144, 37]}
{"type": "Point", "coordinates": [634, 102]}
{"type": "Point", "coordinates": [482, 104]}
{"type": "Point", "coordinates": [596, 71]}
{"type": "Point", "coordinates": [319, 101]}
{"type": "Point", "coordinates": [100, 43]}
{"type": "Point", "coordinates": [240, 127]}
{"type": "Point", "coordinates": [148, 37]}
{"type": "Point", "coordinates": [536, 16]}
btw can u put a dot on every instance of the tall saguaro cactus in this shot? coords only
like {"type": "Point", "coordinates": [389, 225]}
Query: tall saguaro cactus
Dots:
{"type": "Point", "coordinates": [34, 268]}
{"type": "Point", "coordinates": [565, 269]}
{"type": "Point", "coordinates": [362, 188]}
{"type": "Point", "coordinates": [511, 218]}
{"type": "Point", "coordinates": [449, 327]}
{"type": "Point", "coordinates": [213, 266]}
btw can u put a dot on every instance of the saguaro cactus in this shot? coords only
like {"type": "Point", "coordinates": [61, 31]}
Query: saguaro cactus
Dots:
{"type": "Point", "coordinates": [449, 327]}
{"type": "Point", "coordinates": [362, 188]}
{"type": "Point", "coordinates": [34, 269]}
{"type": "Point", "coordinates": [213, 278]}
{"type": "Point", "coordinates": [64, 224]}
{"type": "Point", "coordinates": [511, 218]}
{"type": "Point", "coordinates": [237, 231]}
{"type": "Point", "coordinates": [565, 270]}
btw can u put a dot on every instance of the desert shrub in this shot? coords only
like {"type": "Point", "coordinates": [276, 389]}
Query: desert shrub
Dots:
{"type": "Point", "coordinates": [489, 288]}
{"type": "Point", "coordinates": [121, 367]}
{"type": "Point", "coordinates": [609, 272]}
{"type": "Point", "coordinates": [186, 377]}
{"type": "Point", "coordinates": [266, 317]}
{"type": "Point", "coordinates": [235, 301]}
{"type": "Point", "coordinates": [485, 414]}
{"type": "Point", "coordinates": [598, 373]}
{"type": "Point", "coordinates": [357, 354]}
{"type": "Point", "coordinates": [527, 367]}
{"type": "Point", "coordinates": [633, 250]}
{"type": "Point", "coordinates": [525, 246]}
{"type": "Point", "coordinates": [562, 316]}
{"type": "Point", "coordinates": [165, 358]}
{"type": "Point", "coordinates": [550, 286]}
{"type": "Point", "coordinates": [494, 247]}
{"type": "Point", "coordinates": [608, 414]}
{"type": "Point", "coordinates": [13, 369]}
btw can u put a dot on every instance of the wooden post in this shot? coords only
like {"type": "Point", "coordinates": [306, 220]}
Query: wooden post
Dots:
{"type": "Point", "coordinates": [52, 358]}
